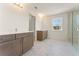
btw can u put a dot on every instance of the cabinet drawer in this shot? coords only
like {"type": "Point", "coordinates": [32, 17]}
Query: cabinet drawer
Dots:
{"type": "Point", "coordinates": [4, 38]}
{"type": "Point", "coordinates": [24, 35]}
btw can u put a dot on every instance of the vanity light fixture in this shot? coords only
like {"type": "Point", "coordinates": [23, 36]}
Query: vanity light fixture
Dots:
{"type": "Point", "coordinates": [19, 5]}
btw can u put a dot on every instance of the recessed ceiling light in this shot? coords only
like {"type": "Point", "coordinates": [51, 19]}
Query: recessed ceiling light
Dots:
{"type": "Point", "coordinates": [41, 15]}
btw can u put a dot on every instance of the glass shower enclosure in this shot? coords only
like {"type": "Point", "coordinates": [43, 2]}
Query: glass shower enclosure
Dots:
{"type": "Point", "coordinates": [74, 29]}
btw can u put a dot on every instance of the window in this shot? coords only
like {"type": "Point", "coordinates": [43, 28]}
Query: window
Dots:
{"type": "Point", "coordinates": [57, 23]}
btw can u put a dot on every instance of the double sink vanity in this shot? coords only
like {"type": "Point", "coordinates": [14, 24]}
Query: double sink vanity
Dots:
{"type": "Point", "coordinates": [16, 44]}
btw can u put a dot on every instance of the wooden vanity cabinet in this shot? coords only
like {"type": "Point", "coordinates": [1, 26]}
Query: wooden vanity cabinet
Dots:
{"type": "Point", "coordinates": [41, 35]}
{"type": "Point", "coordinates": [16, 44]}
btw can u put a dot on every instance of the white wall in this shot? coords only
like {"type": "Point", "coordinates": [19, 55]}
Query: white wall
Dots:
{"type": "Point", "coordinates": [42, 23]}
{"type": "Point", "coordinates": [12, 17]}
{"type": "Point", "coordinates": [57, 35]}
{"type": "Point", "coordinates": [45, 23]}
{"type": "Point", "coordinates": [38, 23]}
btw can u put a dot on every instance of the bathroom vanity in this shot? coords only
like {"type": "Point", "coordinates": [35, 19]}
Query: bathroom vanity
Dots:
{"type": "Point", "coordinates": [41, 35]}
{"type": "Point", "coordinates": [16, 44]}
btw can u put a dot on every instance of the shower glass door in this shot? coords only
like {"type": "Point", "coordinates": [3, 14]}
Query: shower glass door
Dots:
{"type": "Point", "coordinates": [75, 30]}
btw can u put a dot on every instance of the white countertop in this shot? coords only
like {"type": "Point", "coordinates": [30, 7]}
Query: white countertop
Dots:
{"type": "Point", "coordinates": [41, 30]}
{"type": "Point", "coordinates": [15, 33]}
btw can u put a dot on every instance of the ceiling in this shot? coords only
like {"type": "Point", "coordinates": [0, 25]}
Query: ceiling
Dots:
{"type": "Point", "coordinates": [51, 8]}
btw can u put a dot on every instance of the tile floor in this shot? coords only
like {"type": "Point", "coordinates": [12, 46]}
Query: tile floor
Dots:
{"type": "Point", "coordinates": [50, 47]}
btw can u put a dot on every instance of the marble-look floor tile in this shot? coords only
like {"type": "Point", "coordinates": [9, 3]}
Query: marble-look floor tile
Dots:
{"type": "Point", "coordinates": [50, 47]}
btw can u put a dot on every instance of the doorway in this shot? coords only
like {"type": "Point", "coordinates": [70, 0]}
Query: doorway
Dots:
{"type": "Point", "coordinates": [32, 22]}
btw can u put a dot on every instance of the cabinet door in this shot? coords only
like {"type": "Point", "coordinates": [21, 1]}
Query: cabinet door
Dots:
{"type": "Point", "coordinates": [19, 43]}
{"type": "Point", "coordinates": [19, 46]}
{"type": "Point", "coordinates": [27, 43]}
{"type": "Point", "coordinates": [10, 48]}
{"type": "Point", "coordinates": [40, 36]}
